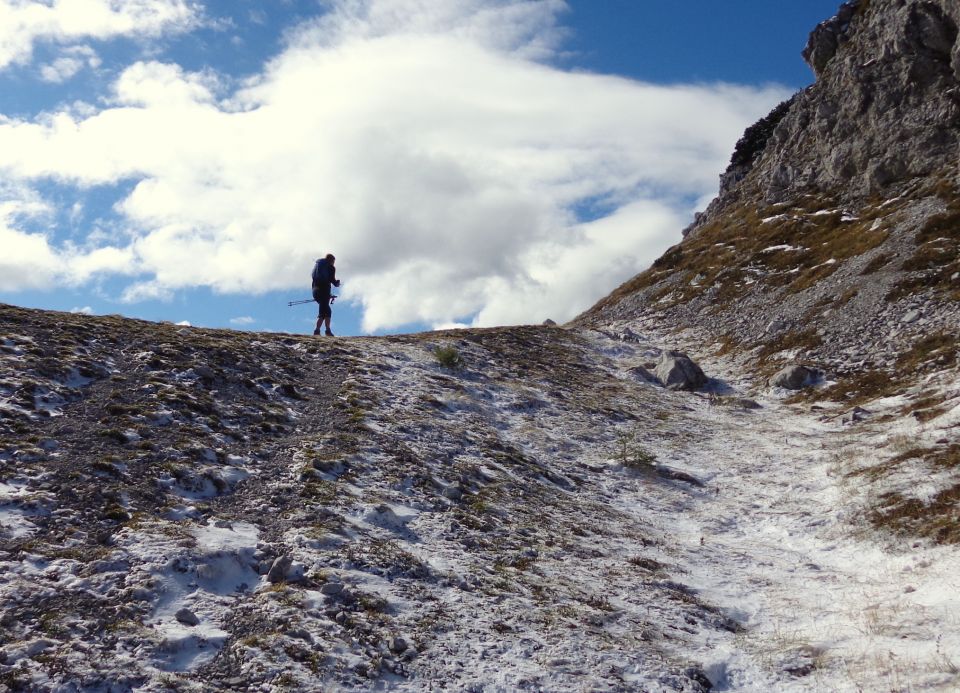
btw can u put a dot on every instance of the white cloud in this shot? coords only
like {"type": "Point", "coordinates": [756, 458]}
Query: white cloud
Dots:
{"type": "Point", "coordinates": [25, 22]}
{"type": "Point", "coordinates": [416, 140]}
{"type": "Point", "coordinates": [31, 261]}
{"type": "Point", "coordinates": [86, 310]}
{"type": "Point", "coordinates": [244, 320]}
{"type": "Point", "coordinates": [70, 62]}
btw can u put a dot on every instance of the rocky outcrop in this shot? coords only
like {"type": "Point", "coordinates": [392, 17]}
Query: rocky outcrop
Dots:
{"type": "Point", "coordinates": [835, 238]}
{"type": "Point", "coordinates": [826, 39]}
{"type": "Point", "coordinates": [885, 108]}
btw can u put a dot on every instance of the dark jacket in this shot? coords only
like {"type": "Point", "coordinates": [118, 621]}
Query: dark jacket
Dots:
{"type": "Point", "coordinates": [324, 275]}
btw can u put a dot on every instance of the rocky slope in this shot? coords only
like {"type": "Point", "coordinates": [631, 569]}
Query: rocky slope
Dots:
{"type": "Point", "coordinates": [530, 508]}
{"type": "Point", "coordinates": [506, 509]}
{"type": "Point", "coordinates": [835, 239]}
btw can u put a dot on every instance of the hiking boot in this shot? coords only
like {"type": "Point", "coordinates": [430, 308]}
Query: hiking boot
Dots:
{"type": "Point", "coordinates": [317, 332]}
{"type": "Point", "coordinates": [328, 333]}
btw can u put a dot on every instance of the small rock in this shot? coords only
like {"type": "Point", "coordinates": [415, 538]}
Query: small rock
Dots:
{"type": "Point", "coordinates": [331, 589]}
{"type": "Point", "coordinates": [300, 634]}
{"type": "Point", "coordinates": [775, 326]}
{"type": "Point", "coordinates": [795, 377]}
{"type": "Point", "coordinates": [910, 316]}
{"type": "Point", "coordinates": [187, 617]}
{"type": "Point", "coordinates": [205, 372]}
{"type": "Point", "coordinates": [452, 492]}
{"type": "Point", "coordinates": [549, 323]}
{"type": "Point", "coordinates": [855, 415]}
{"type": "Point", "coordinates": [397, 645]}
{"type": "Point", "coordinates": [279, 569]}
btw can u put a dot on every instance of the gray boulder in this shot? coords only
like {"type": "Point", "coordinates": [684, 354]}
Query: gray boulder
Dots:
{"type": "Point", "coordinates": [677, 371]}
{"type": "Point", "coordinates": [280, 569]}
{"type": "Point", "coordinates": [187, 617]}
{"type": "Point", "coordinates": [795, 377]}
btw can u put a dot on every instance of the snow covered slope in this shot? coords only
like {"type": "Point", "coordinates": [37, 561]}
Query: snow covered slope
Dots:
{"type": "Point", "coordinates": [189, 509]}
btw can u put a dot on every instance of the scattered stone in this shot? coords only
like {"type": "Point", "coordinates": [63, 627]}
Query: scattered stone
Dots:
{"type": "Point", "coordinates": [300, 634]}
{"type": "Point", "coordinates": [677, 371]}
{"type": "Point", "coordinates": [911, 316]}
{"type": "Point", "coordinates": [775, 326]}
{"type": "Point", "coordinates": [795, 377]}
{"type": "Point", "coordinates": [187, 617]}
{"type": "Point", "coordinates": [855, 415]}
{"type": "Point", "coordinates": [331, 589]}
{"type": "Point", "coordinates": [452, 492]}
{"type": "Point", "coordinates": [549, 323]}
{"type": "Point", "coordinates": [279, 570]}
{"type": "Point", "coordinates": [641, 373]}
{"type": "Point", "coordinates": [397, 645]}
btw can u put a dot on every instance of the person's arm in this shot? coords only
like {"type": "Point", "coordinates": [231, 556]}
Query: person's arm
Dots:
{"type": "Point", "coordinates": [333, 276]}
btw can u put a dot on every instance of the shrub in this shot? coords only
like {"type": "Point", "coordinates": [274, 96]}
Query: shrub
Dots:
{"type": "Point", "coordinates": [631, 454]}
{"type": "Point", "coordinates": [448, 357]}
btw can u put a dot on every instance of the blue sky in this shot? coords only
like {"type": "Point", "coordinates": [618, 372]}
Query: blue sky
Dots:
{"type": "Point", "coordinates": [469, 161]}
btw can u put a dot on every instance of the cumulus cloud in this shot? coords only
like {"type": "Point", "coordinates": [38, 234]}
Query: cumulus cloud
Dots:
{"type": "Point", "coordinates": [457, 175]}
{"type": "Point", "coordinates": [25, 22]}
{"type": "Point", "coordinates": [70, 62]}
{"type": "Point", "coordinates": [85, 310]}
{"type": "Point", "coordinates": [243, 320]}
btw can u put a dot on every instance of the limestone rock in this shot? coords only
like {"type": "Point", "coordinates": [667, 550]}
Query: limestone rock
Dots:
{"type": "Point", "coordinates": [187, 617]}
{"type": "Point", "coordinates": [827, 37]}
{"type": "Point", "coordinates": [279, 570]}
{"type": "Point", "coordinates": [677, 371]}
{"type": "Point", "coordinates": [795, 377]}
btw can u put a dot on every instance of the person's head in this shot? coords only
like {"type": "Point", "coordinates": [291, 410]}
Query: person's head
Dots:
{"type": "Point", "coordinates": [330, 258]}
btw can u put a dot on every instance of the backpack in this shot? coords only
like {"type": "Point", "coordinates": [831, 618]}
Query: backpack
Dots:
{"type": "Point", "coordinates": [321, 273]}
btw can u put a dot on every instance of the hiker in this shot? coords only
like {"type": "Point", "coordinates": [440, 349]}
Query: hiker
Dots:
{"type": "Point", "coordinates": [324, 276]}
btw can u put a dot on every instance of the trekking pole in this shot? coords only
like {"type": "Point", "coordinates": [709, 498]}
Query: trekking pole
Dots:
{"type": "Point", "coordinates": [297, 303]}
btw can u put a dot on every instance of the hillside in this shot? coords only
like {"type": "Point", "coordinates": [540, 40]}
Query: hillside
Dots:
{"type": "Point", "coordinates": [531, 508]}
{"type": "Point", "coordinates": [835, 239]}
{"type": "Point", "coordinates": [834, 244]}
{"type": "Point", "coordinates": [188, 509]}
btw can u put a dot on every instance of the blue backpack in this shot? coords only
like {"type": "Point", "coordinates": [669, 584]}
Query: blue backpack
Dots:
{"type": "Point", "coordinates": [321, 273]}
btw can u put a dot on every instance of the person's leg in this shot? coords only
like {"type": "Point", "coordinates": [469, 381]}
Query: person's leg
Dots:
{"type": "Point", "coordinates": [320, 313]}
{"type": "Point", "coordinates": [327, 314]}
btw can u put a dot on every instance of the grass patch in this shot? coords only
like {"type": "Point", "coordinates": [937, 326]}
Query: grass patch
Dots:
{"type": "Point", "coordinates": [938, 519]}
{"type": "Point", "coordinates": [937, 255]}
{"type": "Point", "coordinates": [789, 341]}
{"type": "Point", "coordinates": [877, 263]}
{"type": "Point", "coordinates": [793, 246]}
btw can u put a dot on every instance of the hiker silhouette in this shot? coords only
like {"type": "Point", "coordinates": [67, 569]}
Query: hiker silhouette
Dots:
{"type": "Point", "coordinates": [324, 277]}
